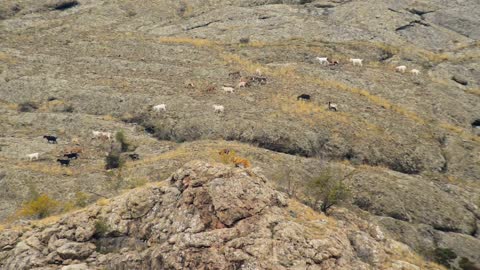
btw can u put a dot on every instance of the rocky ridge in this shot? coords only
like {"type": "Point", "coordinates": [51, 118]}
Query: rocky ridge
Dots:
{"type": "Point", "coordinates": [205, 216]}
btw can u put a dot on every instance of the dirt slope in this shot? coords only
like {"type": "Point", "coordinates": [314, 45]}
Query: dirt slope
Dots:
{"type": "Point", "coordinates": [101, 65]}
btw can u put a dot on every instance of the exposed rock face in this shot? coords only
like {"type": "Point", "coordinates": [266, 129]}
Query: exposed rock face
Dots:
{"type": "Point", "coordinates": [206, 217]}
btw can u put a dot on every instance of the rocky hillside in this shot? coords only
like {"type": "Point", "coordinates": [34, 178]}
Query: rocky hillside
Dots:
{"type": "Point", "coordinates": [407, 146]}
{"type": "Point", "coordinates": [205, 217]}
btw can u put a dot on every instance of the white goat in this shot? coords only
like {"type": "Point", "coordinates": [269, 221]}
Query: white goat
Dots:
{"type": "Point", "coordinates": [96, 134]}
{"type": "Point", "coordinates": [33, 156]}
{"type": "Point", "coordinates": [159, 108]}
{"type": "Point", "coordinates": [107, 135]}
{"type": "Point", "coordinates": [401, 69]}
{"type": "Point", "coordinates": [323, 60]}
{"type": "Point", "coordinates": [356, 61]}
{"type": "Point", "coordinates": [415, 72]}
{"type": "Point", "coordinates": [100, 134]}
{"type": "Point", "coordinates": [228, 89]}
{"type": "Point", "coordinates": [332, 106]}
{"type": "Point", "coordinates": [218, 108]}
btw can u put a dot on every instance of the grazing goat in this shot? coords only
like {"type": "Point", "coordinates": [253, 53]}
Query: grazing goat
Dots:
{"type": "Point", "coordinates": [190, 85]}
{"type": "Point", "coordinates": [218, 108]}
{"type": "Point", "coordinates": [50, 139]}
{"type": "Point", "coordinates": [257, 80]}
{"type": "Point", "coordinates": [107, 135]}
{"type": "Point", "coordinates": [323, 60]}
{"type": "Point", "coordinates": [100, 134]}
{"type": "Point", "coordinates": [134, 156]}
{"type": "Point", "coordinates": [96, 134]}
{"type": "Point", "coordinates": [415, 72]}
{"type": "Point", "coordinates": [356, 61]}
{"type": "Point", "coordinates": [228, 89]}
{"type": "Point", "coordinates": [304, 97]}
{"type": "Point", "coordinates": [401, 69]}
{"type": "Point", "coordinates": [33, 156]}
{"type": "Point", "coordinates": [333, 62]}
{"type": "Point", "coordinates": [332, 106]}
{"type": "Point", "coordinates": [71, 155]}
{"type": "Point", "coordinates": [210, 88]}
{"type": "Point", "coordinates": [64, 162]}
{"type": "Point", "coordinates": [242, 84]}
{"type": "Point", "coordinates": [160, 107]}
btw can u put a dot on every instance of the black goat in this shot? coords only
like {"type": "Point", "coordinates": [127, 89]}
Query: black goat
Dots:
{"type": "Point", "coordinates": [64, 162]}
{"type": "Point", "coordinates": [476, 123]}
{"type": "Point", "coordinates": [304, 97]}
{"type": "Point", "coordinates": [71, 155]}
{"type": "Point", "coordinates": [50, 139]}
{"type": "Point", "coordinates": [134, 156]}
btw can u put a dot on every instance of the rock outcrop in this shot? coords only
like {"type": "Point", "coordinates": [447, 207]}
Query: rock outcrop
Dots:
{"type": "Point", "coordinates": [205, 216]}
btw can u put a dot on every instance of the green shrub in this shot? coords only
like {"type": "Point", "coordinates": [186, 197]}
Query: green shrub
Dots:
{"type": "Point", "coordinates": [101, 228]}
{"type": "Point", "coordinates": [444, 256]}
{"type": "Point", "coordinates": [327, 189]}
{"type": "Point", "coordinates": [27, 106]}
{"type": "Point", "coordinates": [113, 160]}
{"type": "Point", "coordinates": [122, 140]}
{"type": "Point", "coordinates": [40, 207]}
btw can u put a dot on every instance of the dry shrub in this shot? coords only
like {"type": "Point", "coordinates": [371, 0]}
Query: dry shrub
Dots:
{"type": "Point", "coordinates": [40, 207]}
{"type": "Point", "coordinates": [229, 157]}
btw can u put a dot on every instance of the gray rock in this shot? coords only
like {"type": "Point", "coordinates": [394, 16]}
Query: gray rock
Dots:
{"type": "Point", "coordinates": [459, 79]}
{"type": "Point", "coordinates": [74, 250]}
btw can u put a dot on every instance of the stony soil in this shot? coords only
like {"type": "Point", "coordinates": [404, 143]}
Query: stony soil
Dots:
{"type": "Point", "coordinates": [101, 65]}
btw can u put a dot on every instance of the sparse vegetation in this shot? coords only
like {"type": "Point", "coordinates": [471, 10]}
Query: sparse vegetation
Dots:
{"type": "Point", "coordinates": [136, 182]}
{"type": "Point", "coordinates": [122, 140]}
{"type": "Point", "coordinates": [68, 108]}
{"type": "Point", "coordinates": [444, 256]}
{"type": "Point", "coordinates": [113, 160]}
{"type": "Point", "coordinates": [229, 157]}
{"type": "Point", "coordinates": [101, 228]}
{"type": "Point", "coordinates": [326, 190]}
{"type": "Point", "coordinates": [39, 207]}
{"type": "Point", "coordinates": [81, 199]}
{"type": "Point", "coordinates": [466, 264]}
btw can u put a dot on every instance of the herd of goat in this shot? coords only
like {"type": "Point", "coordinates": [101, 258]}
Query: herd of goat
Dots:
{"type": "Point", "coordinates": [74, 152]}
{"type": "Point", "coordinates": [244, 82]}
{"type": "Point", "coordinates": [247, 81]}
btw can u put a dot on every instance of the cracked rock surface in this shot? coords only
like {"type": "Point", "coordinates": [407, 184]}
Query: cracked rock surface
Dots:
{"type": "Point", "coordinates": [205, 216]}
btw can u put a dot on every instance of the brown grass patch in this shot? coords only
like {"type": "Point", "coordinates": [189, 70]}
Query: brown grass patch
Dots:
{"type": "Point", "coordinates": [47, 169]}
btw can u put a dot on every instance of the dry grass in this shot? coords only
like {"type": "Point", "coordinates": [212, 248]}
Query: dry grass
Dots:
{"type": "Point", "coordinates": [8, 105]}
{"type": "Point", "coordinates": [413, 258]}
{"type": "Point", "coordinates": [103, 202]}
{"type": "Point", "coordinates": [290, 73]}
{"type": "Point", "coordinates": [474, 91]}
{"type": "Point", "coordinates": [47, 106]}
{"type": "Point", "coordinates": [6, 58]}
{"type": "Point", "coordinates": [180, 152]}
{"type": "Point", "coordinates": [188, 41]}
{"type": "Point", "coordinates": [47, 169]}
{"type": "Point", "coordinates": [315, 223]}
